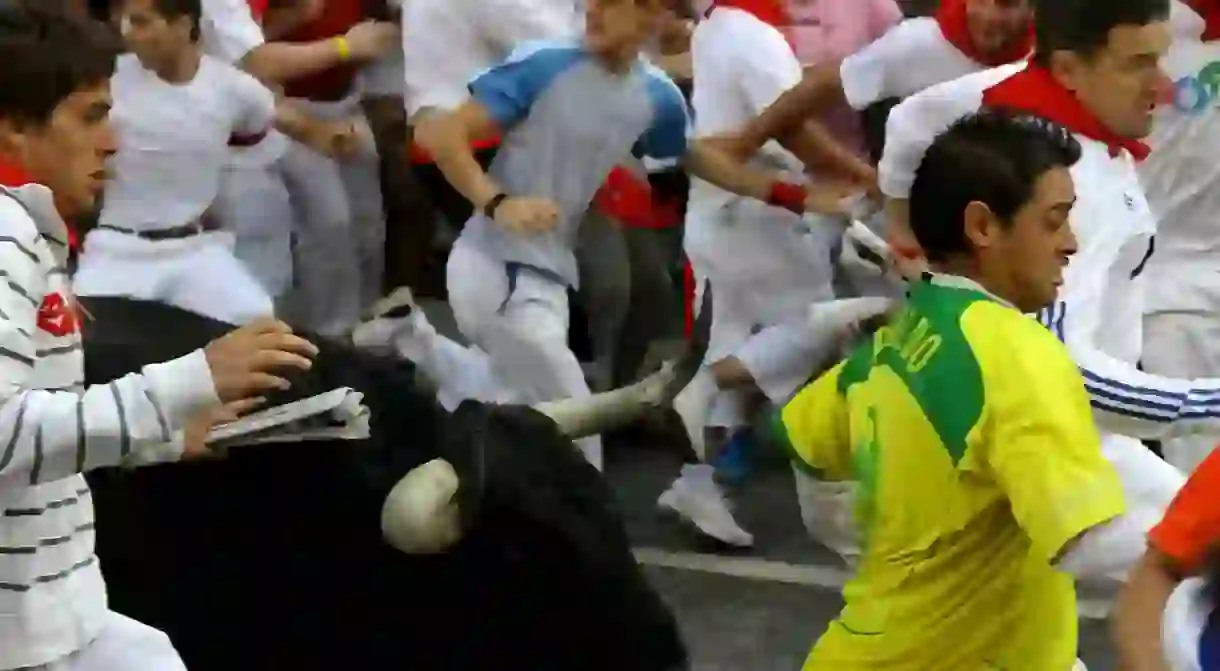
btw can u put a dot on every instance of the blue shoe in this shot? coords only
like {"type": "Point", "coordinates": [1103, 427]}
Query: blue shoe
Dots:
{"type": "Point", "coordinates": [733, 464]}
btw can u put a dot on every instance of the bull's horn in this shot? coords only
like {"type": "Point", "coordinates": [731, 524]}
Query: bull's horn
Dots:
{"type": "Point", "coordinates": [591, 415]}
{"type": "Point", "coordinates": [420, 514]}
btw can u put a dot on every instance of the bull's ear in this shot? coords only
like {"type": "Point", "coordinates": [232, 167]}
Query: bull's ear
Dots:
{"type": "Point", "coordinates": [420, 515]}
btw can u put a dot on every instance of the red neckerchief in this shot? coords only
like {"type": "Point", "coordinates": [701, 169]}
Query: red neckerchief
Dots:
{"type": "Point", "coordinates": [14, 176]}
{"type": "Point", "coordinates": [955, 26]}
{"type": "Point", "coordinates": [771, 12]}
{"type": "Point", "coordinates": [257, 9]}
{"type": "Point", "coordinates": [1210, 11]}
{"type": "Point", "coordinates": [1035, 91]}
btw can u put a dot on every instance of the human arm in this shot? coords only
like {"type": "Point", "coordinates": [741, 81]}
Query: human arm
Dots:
{"type": "Point", "coordinates": [715, 166]}
{"type": "Point", "coordinates": [1178, 548]}
{"type": "Point", "coordinates": [338, 139]}
{"type": "Point", "coordinates": [1125, 399]}
{"type": "Point", "coordinates": [1136, 620]}
{"type": "Point", "coordinates": [814, 428]}
{"type": "Point", "coordinates": [280, 62]}
{"type": "Point", "coordinates": [499, 99]}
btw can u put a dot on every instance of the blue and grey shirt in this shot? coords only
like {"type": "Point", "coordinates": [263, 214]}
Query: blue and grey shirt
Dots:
{"type": "Point", "coordinates": [567, 122]}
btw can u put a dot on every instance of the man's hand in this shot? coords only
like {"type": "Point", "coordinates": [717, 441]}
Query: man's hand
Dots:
{"type": "Point", "coordinates": [195, 433]}
{"type": "Point", "coordinates": [528, 216]}
{"type": "Point", "coordinates": [344, 140]}
{"type": "Point", "coordinates": [244, 362]}
{"type": "Point", "coordinates": [368, 40]}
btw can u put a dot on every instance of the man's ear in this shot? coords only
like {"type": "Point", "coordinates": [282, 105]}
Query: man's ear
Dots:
{"type": "Point", "coordinates": [979, 225]}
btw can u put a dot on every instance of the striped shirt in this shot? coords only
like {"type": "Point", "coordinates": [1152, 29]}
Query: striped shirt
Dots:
{"type": "Point", "coordinates": [52, 429]}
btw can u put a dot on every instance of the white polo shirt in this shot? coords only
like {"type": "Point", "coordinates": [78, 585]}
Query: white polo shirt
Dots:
{"type": "Point", "coordinates": [1099, 314]}
{"type": "Point", "coordinates": [907, 59]}
{"type": "Point", "coordinates": [447, 42]}
{"type": "Point", "coordinates": [174, 140]}
{"type": "Point", "coordinates": [1182, 176]}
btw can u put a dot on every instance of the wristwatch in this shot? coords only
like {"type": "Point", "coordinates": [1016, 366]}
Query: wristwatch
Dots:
{"type": "Point", "coordinates": [489, 209]}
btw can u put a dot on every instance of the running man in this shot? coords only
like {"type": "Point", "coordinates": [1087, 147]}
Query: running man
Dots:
{"type": "Point", "coordinates": [1096, 71]}
{"type": "Point", "coordinates": [569, 113]}
{"type": "Point", "coordinates": [967, 426]}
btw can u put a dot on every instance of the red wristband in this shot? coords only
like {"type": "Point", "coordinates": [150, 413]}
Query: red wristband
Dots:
{"type": "Point", "coordinates": [789, 196]}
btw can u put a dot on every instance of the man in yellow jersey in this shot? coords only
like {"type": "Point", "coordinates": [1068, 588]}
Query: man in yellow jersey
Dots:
{"type": "Point", "coordinates": [967, 426]}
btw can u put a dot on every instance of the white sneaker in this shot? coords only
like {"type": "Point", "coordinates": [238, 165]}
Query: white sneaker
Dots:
{"type": "Point", "coordinates": [696, 498]}
{"type": "Point", "coordinates": [394, 323]}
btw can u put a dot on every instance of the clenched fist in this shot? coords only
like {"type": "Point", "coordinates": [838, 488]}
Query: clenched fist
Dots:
{"type": "Point", "coordinates": [245, 362]}
{"type": "Point", "coordinates": [527, 216]}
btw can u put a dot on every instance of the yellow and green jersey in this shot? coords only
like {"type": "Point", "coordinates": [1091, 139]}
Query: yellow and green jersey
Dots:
{"type": "Point", "coordinates": [968, 429]}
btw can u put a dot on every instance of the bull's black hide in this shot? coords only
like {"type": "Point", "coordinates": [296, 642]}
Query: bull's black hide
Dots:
{"type": "Point", "coordinates": [272, 558]}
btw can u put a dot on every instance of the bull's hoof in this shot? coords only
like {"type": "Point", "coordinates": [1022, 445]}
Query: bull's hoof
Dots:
{"type": "Point", "coordinates": [420, 515]}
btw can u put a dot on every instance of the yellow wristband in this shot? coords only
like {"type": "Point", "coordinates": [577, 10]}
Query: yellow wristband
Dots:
{"type": "Point", "coordinates": [345, 50]}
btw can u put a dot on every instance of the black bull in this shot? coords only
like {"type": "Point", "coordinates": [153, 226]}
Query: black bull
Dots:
{"type": "Point", "coordinates": [272, 557]}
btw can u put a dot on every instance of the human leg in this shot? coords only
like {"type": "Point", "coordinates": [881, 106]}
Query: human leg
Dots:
{"type": "Point", "coordinates": [328, 275]}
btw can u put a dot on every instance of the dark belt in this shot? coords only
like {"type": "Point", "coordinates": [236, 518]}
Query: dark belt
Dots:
{"type": "Point", "coordinates": [172, 233]}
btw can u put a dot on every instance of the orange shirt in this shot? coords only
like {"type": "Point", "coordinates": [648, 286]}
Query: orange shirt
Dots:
{"type": "Point", "coordinates": [1191, 527]}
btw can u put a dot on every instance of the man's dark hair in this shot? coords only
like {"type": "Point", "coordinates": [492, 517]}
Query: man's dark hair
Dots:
{"type": "Point", "coordinates": [1083, 26]}
{"type": "Point", "coordinates": [993, 157]}
{"type": "Point", "coordinates": [48, 54]}
{"type": "Point", "coordinates": [176, 9]}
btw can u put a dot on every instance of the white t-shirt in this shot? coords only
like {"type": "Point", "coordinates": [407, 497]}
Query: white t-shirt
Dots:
{"type": "Point", "coordinates": [447, 42]}
{"type": "Point", "coordinates": [741, 66]}
{"type": "Point", "coordinates": [228, 33]}
{"type": "Point", "coordinates": [174, 140]}
{"type": "Point", "coordinates": [907, 59]}
{"type": "Point", "coordinates": [1182, 174]}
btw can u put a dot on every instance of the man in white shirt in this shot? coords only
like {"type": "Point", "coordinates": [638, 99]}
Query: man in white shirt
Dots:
{"type": "Point", "coordinates": [764, 264]}
{"type": "Point", "coordinates": [254, 202]}
{"type": "Point", "coordinates": [1181, 178]}
{"type": "Point", "coordinates": [176, 111]}
{"type": "Point", "coordinates": [54, 139]}
{"type": "Point", "coordinates": [1096, 72]}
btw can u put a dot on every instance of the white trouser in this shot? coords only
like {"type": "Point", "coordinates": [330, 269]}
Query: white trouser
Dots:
{"type": "Point", "coordinates": [520, 318]}
{"type": "Point", "coordinates": [198, 273]}
{"type": "Point", "coordinates": [123, 645]}
{"type": "Point", "coordinates": [1184, 344]}
{"type": "Point", "coordinates": [339, 226]}
{"type": "Point", "coordinates": [253, 204]}
{"type": "Point", "coordinates": [741, 310]}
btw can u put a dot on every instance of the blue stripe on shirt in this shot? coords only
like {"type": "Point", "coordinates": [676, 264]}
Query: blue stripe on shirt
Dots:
{"type": "Point", "coordinates": [1138, 402]}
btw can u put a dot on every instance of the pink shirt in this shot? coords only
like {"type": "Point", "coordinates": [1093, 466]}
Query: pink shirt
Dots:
{"type": "Point", "coordinates": [827, 31]}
